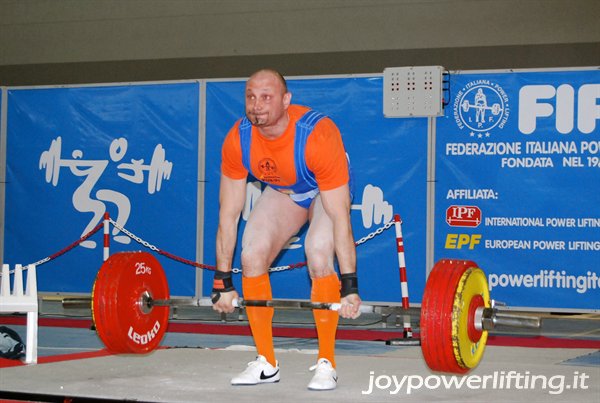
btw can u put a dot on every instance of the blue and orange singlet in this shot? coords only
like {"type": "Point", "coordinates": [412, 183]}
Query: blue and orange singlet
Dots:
{"type": "Point", "coordinates": [309, 156]}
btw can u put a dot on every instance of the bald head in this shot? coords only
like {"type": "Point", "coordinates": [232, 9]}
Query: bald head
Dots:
{"type": "Point", "coordinates": [263, 73]}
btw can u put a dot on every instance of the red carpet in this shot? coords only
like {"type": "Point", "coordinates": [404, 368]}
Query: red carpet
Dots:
{"type": "Point", "coordinates": [5, 363]}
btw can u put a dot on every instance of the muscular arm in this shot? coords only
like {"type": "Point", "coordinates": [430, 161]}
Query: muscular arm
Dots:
{"type": "Point", "coordinates": [232, 196]}
{"type": "Point", "coordinates": [336, 203]}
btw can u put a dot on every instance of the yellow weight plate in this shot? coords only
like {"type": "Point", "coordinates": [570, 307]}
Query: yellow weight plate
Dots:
{"type": "Point", "coordinates": [472, 283]}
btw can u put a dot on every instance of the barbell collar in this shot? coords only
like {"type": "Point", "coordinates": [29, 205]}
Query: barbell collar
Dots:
{"type": "Point", "coordinates": [508, 319]}
{"type": "Point", "coordinates": [490, 318]}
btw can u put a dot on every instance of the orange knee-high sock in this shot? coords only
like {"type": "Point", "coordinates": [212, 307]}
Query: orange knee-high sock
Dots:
{"type": "Point", "coordinates": [260, 318]}
{"type": "Point", "coordinates": [326, 289]}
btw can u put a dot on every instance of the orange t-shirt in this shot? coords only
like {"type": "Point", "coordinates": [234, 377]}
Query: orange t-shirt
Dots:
{"type": "Point", "coordinates": [272, 161]}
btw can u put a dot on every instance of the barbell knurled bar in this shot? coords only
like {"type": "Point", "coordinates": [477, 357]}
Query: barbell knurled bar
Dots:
{"type": "Point", "coordinates": [147, 302]}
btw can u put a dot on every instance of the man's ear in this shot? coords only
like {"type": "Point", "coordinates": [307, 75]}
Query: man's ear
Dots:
{"type": "Point", "coordinates": [287, 99]}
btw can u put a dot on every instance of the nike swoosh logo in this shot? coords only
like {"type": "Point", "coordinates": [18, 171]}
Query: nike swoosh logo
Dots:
{"type": "Point", "coordinates": [263, 376]}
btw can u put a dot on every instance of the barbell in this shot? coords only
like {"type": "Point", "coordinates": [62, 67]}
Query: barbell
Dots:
{"type": "Point", "coordinates": [130, 308]}
{"type": "Point", "coordinates": [495, 108]}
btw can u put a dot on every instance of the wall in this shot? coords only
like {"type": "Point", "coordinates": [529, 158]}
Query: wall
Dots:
{"type": "Point", "coordinates": [69, 41]}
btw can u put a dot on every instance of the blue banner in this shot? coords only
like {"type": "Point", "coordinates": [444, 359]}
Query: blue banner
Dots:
{"type": "Point", "coordinates": [518, 184]}
{"type": "Point", "coordinates": [389, 161]}
{"type": "Point", "coordinates": [517, 179]}
{"type": "Point", "coordinates": [75, 153]}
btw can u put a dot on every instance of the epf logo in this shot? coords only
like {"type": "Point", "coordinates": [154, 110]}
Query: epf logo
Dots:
{"type": "Point", "coordinates": [545, 101]}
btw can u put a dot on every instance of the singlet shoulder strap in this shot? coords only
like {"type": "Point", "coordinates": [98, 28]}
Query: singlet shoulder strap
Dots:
{"type": "Point", "coordinates": [304, 127]}
{"type": "Point", "coordinates": [245, 129]}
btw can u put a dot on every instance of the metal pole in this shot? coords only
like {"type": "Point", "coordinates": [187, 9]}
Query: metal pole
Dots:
{"type": "Point", "coordinates": [431, 179]}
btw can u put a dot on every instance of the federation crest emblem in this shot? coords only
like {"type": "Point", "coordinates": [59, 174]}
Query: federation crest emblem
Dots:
{"type": "Point", "coordinates": [267, 167]}
{"type": "Point", "coordinates": [268, 171]}
{"type": "Point", "coordinates": [481, 106]}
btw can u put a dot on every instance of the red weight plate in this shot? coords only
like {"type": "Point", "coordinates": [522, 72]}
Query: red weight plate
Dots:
{"type": "Point", "coordinates": [103, 302]}
{"type": "Point", "coordinates": [474, 334]}
{"type": "Point", "coordinates": [432, 316]}
{"type": "Point", "coordinates": [436, 315]}
{"type": "Point", "coordinates": [144, 328]}
{"type": "Point", "coordinates": [449, 276]}
{"type": "Point", "coordinates": [123, 324]}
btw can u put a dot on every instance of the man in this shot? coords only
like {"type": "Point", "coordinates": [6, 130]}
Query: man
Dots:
{"type": "Point", "coordinates": [299, 155]}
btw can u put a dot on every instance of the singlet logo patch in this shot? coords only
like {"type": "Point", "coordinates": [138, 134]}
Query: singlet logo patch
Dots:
{"type": "Point", "coordinates": [268, 170]}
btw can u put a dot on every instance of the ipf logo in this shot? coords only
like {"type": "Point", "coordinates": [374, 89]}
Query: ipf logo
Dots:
{"type": "Point", "coordinates": [481, 106]}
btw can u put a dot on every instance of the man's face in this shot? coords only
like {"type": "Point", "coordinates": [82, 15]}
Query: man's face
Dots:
{"type": "Point", "coordinates": [266, 100]}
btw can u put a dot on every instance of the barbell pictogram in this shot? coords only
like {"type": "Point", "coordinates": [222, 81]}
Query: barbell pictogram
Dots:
{"type": "Point", "coordinates": [373, 208]}
{"type": "Point", "coordinates": [130, 309]}
{"type": "Point", "coordinates": [495, 108]}
{"type": "Point", "coordinates": [159, 168]}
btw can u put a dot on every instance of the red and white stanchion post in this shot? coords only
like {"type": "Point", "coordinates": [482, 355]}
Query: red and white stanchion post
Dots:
{"type": "Point", "coordinates": [408, 339]}
{"type": "Point", "coordinates": [106, 236]}
{"type": "Point", "coordinates": [403, 279]}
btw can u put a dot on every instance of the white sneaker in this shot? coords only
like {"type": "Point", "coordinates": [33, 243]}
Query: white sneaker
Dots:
{"type": "Point", "coordinates": [325, 377]}
{"type": "Point", "coordinates": [258, 371]}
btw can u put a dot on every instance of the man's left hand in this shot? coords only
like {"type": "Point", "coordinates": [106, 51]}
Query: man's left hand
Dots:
{"type": "Point", "coordinates": [350, 304]}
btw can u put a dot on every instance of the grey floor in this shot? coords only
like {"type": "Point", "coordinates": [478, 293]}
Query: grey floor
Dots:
{"type": "Point", "coordinates": [197, 367]}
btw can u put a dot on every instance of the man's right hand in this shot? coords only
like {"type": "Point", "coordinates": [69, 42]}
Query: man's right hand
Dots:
{"type": "Point", "coordinates": [225, 302]}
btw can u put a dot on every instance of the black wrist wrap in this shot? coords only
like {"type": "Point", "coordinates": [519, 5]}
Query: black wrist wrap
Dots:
{"type": "Point", "coordinates": [222, 282]}
{"type": "Point", "coordinates": [349, 284]}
